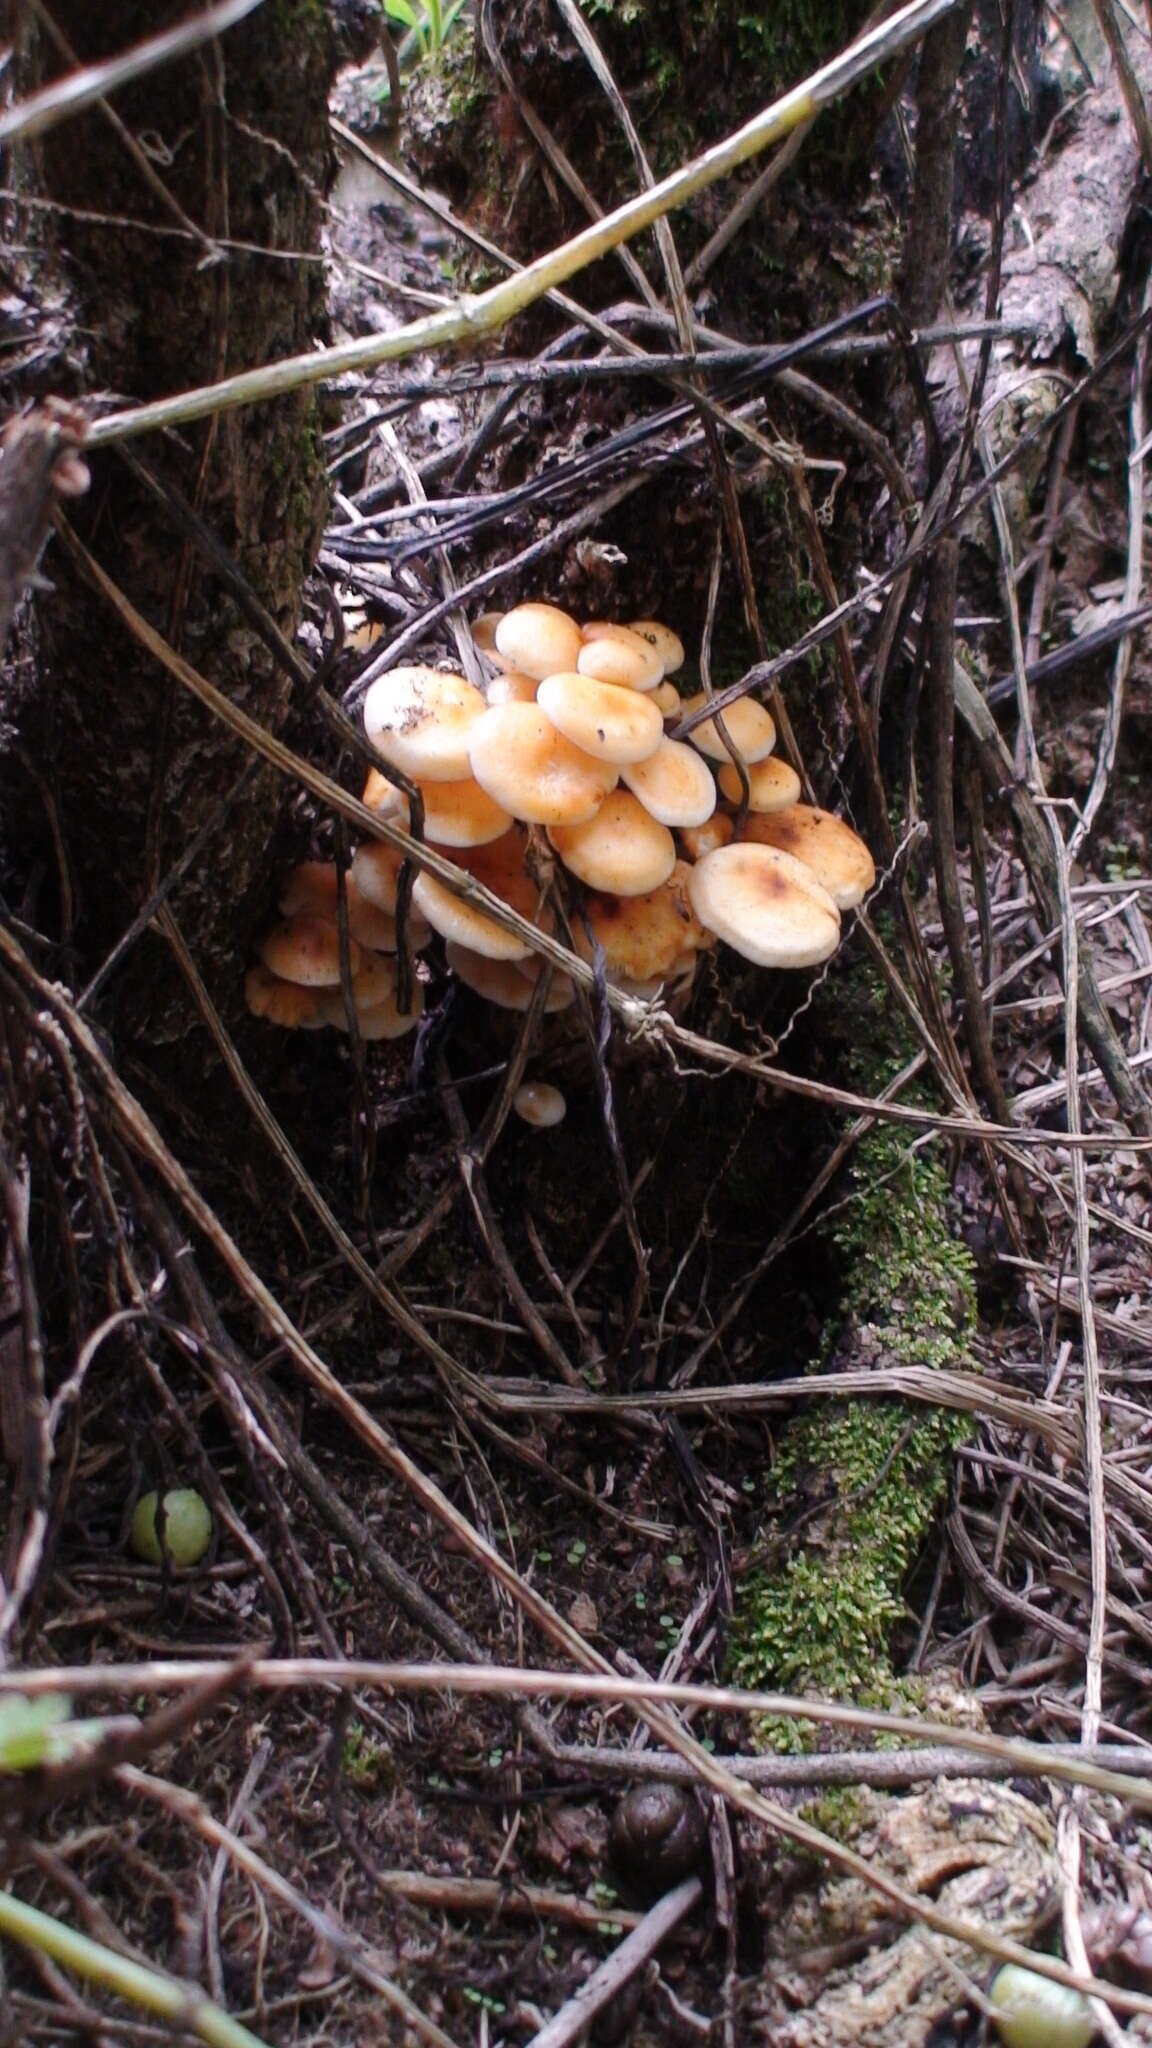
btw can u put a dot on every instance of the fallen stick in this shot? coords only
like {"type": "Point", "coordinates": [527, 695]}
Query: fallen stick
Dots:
{"type": "Point", "coordinates": [574, 2015]}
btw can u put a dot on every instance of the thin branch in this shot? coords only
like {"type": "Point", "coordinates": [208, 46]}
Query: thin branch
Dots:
{"type": "Point", "coordinates": [473, 317]}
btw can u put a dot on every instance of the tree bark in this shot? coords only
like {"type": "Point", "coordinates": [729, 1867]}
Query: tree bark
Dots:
{"type": "Point", "coordinates": [186, 221]}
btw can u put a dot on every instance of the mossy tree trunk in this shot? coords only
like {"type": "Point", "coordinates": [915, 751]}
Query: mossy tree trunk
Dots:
{"type": "Point", "coordinates": [187, 240]}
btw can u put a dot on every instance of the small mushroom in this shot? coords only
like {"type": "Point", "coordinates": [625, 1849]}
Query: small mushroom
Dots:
{"type": "Point", "coordinates": [835, 853]}
{"type": "Point", "coordinates": [420, 720]}
{"type": "Point", "coordinates": [374, 1001]}
{"type": "Point", "coordinates": [672, 986]}
{"type": "Point", "coordinates": [538, 639]}
{"type": "Point", "coordinates": [375, 870]}
{"type": "Point", "coordinates": [773, 785]}
{"type": "Point", "coordinates": [642, 937]}
{"type": "Point", "coordinates": [561, 987]}
{"type": "Point", "coordinates": [312, 887]}
{"type": "Point", "coordinates": [500, 867]}
{"type": "Point", "coordinates": [667, 697]}
{"type": "Point", "coordinates": [674, 784]}
{"type": "Point", "coordinates": [766, 905]}
{"type": "Point", "coordinates": [383, 796]}
{"type": "Point", "coordinates": [507, 983]}
{"type": "Point", "coordinates": [1032, 2011]}
{"type": "Point", "coordinates": [615, 654]}
{"type": "Point", "coordinates": [533, 771]}
{"type": "Point", "coordinates": [658, 1837]}
{"type": "Point", "coordinates": [606, 721]}
{"type": "Point", "coordinates": [540, 1104]}
{"type": "Point", "coordinates": [184, 1522]}
{"type": "Point", "coordinates": [697, 840]}
{"type": "Point", "coordinates": [622, 850]}
{"type": "Point", "coordinates": [751, 729]}
{"type": "Point", "coordinates": [373, 981]}
{"type": "Point", "coordinates": [287, 1003]}
{"type": "Point", "coordinates": [511, 687]}
{"type": "Point", "coordinates": [667, 644]}
{"type": "Point", "coordinates": [307, 949]}
{"type": "Point", "coordinates": [484, 632]}
{"type": "Point", "coordinates": [461, 814]}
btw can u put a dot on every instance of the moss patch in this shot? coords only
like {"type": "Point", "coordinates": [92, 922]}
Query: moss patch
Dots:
{"type": "Point", "coordinates": [867, 1475]}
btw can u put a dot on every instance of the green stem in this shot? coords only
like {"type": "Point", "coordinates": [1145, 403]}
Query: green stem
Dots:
{"type": "Point", "coordinates": [165, 1996]}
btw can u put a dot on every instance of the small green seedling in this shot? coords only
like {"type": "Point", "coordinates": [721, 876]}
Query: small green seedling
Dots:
{"type": "Point", "coordinates": [428, 27]}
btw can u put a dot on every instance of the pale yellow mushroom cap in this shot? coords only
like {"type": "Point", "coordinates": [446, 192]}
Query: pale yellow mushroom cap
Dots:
{"type": "Point", "coordinates": [483, 631]}
{"type": "Point", "coordinates": [615, 654]}
{"type": "Point", "coordinates": [540, 1104]}
{"type": "Point", "coordinates": [455, 813]}
{"type": "Point", "coordinates": [667, 644]}
{"type": "Point", "coordinates": [383, 796]}
{"type": "Point", "coordinates": [749, 726]}
{"type": "Point", "coordinates": [538, 639]}
{"type": "Point", "coordinates": [385, 1020]}
{"type": "Point", "coordinates": [506, 982]}
{"type": "Point", "coordinates": [312, 887]}
{"type": "Point", "coordinates": [766, 905]}
{"type": "Point", "coordinates": [500, 867]}
{"type": "Point", "coordinates": [835, 853]}
{"type": "Point", "coordinates": [375, 870]}
{"type": "Point", "coordinates": [697, 840]}
{"type": "Point", "coordinates": [461, 814]}
{"type": "Point", "coordinates": [512, 687]}
{"type": "Point", "coordinates": [420, 720]}
{"type": "Point", "coordinates": [283, 1002]}
{"type": "Point", "coordinates": [772, 785]}
{"type": "Point", "coordinates": [307, 949]}
{"type": "Point", "coordinates": [611, 723]}
{"type": "Point", "coordinates": [533, 771]}
{"type": "Point", "coordinates": [674, 783]}
{"type": "Point", "coordinates": [621, 851]}
{"type": "Point", "coordinates": [667, 697]}
{"type": "Point", "coordinates": [643, 936]}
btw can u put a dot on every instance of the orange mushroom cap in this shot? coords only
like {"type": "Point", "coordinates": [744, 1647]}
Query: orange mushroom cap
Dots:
{"type": "Point", "coordinates": [533, 771]}
{"type": "Point", "coordinates": [835, 853]}
{"type": "Point", "coordinates": [622, 850]}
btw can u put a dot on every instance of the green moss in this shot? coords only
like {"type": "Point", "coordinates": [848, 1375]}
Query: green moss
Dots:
{"type": "Point", "coordinates": [840, 1812]}
{"type": "Point", "coordinates": [820, 1620]}
{"type": "Point", "coordinates": [365, 1761]}
{"type": "Point", "coordinates": [823, 1622]}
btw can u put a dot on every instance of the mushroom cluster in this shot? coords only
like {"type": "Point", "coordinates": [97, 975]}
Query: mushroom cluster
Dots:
{"type": "Point", "coordinates": [673, 846]}
{"type": "Point", "coordinates": [569, 736]}
{"type": "Point", "coordinates": [297, 979]}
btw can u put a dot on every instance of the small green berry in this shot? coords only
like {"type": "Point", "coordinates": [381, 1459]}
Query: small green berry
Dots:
{"type": "Point", "coordinates": [187, 1526]}
{"type": "Point", "coordinates": [1033, 2012]}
